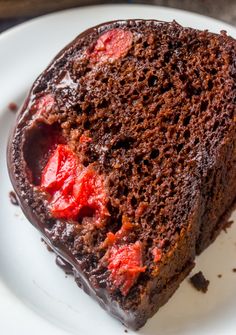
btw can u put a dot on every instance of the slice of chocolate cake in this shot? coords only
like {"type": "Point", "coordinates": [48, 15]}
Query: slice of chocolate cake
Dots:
{"type": "Point", "coordinates": [123, 156]}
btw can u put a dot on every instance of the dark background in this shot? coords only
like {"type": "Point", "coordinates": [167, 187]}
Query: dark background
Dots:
{"type": "Point", "coordinates": [13, 12]}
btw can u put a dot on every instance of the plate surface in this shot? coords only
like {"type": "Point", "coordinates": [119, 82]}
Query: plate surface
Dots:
{"type": "Point", "coordinates": [35, 295]}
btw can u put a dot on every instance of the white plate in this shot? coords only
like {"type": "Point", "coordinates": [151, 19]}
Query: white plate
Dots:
{"type": "Point", "coordinates": [35, 296]}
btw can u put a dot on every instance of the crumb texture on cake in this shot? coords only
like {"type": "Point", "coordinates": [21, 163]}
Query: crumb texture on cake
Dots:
{"type": "Point", "coordinates": [124, 157]}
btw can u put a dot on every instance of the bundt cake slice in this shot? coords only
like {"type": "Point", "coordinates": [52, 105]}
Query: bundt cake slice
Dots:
{"type": "Point", "coordinates": [123, 156]}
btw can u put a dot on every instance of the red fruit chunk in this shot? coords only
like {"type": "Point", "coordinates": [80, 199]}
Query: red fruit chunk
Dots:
{"type": "Point", "coordinates": [89, 193]}
{"type": "Point", "coordinates": [120, 234]}
{"type": "Point", "coordinates": [125, 264]}
{"type": "Point", "coordinates": [157, 253]}
{"type": "Point", "coordinates": [84, 139]}
{"type": "Point", "coordinates": [60, 169]}
{"type": "Point", "coordinates": [64, 206]}
{"type": "Point", "coordinates": [44, 104]}
{"type": "Point", "coordinates": [110, 240]}
{"type": "Point", "coordinates": [111, 45]}
{"type": "Point", "coordinates": [75, 190]}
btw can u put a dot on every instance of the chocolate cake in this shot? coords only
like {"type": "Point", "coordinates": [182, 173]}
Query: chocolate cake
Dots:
{"type": "Point", "coordinates": [123, 156]}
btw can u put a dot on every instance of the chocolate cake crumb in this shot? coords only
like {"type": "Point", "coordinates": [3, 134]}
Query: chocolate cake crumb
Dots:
{"type": "Point", "coordinates": [227, 225]}
{"type": "Point", "coordinates": [13, 198]}
{"type": "Point", "coordinates": [12, 106]}
{"type": "Point", "coordinates": [219, 276]}
{"type": "Point", "coordinates": [200, 282]}
{"type": "Point", "coordinates": [234, 270]}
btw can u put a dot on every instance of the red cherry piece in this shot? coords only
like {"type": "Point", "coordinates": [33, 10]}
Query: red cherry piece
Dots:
{"type": "Point", "coordinates": [84, 139]}
{"type": "Point", "coordinates": [76, 191]}
{"type": "Point", "coordinates": [111, 45]}
{"type": "Point", "coordinates": [64, 206]}
{"type": "Point", "coordinates": [60, 169]}
{"type": "Point", "coordinates": [157, 253]}
{"type": "Point", "coordinates": [125, 264]}
{"type": "Point", "coordinates": [44, 104]}
{"type": "Point", "coordinates": [89, 193]}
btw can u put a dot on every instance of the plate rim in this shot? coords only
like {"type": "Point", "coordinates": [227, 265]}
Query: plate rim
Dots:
{"type": "Point", "coordinates": [36, 20]}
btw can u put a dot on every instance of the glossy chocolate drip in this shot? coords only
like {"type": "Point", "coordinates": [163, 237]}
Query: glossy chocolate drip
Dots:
{"type": "Point", "coordinates": [13, 198]}
{"type": "Point", "coordinates": [65, 266]}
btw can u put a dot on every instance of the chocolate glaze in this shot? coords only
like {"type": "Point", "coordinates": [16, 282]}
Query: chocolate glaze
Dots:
{"type": "Point", "coordinates": [64, 265]}
{"type": "Point", "coordinates": [65, 259]}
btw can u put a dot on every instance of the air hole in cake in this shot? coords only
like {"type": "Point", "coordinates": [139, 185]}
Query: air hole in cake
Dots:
{"type": "Point", "coordinates": [210, 85]}
{"type": "Point", "coordinates": [186, 120]}
{"type": "Point", "coordinates": [116, 128]}
{"type": "Point", "coordinates": [141, 78]}
{"type": "Point", "coordinates": [166, 88]}
{"type": "Point", "coordinates": [140, 120]}
{"type": "Point", "coordinates": [186, 134]}
{"type": "Point", "coordinates": [216, 125]}
{"type": "Point", "coordinates": [124, 142]}
{"type": "Point", "coordinates": [147, 163]}
{"type": "Point", "coordinates": [176, 119]}
{"type": "Point", "coordinates": [77, 108]}
{"type": "Point", "coordinates": [152, 80]}
{"type": "Point", "coordinates": [183, 77]}
{"type": "Point", "coordinates": [179, 147]}
{"type": "Point", "coordinates": [103, 104]}
{"type": "Point", "coordinates": [192, 90]}
{"type": "Point", "coordinates": [213, 71]}
{"type": "Point", "coordinates": [154, 153]}
{"type": "Point", "coordinates": [86, 124]}
{"type": "Point", "coordinates": [204, 105]}
{"type": "Point", "coordinates": [196, 141]}
{"type": "Point", "coordinates": [104, 80]}
{"type": "Point", "coordinates": [167, 57]}
{"type": "Point", "coordinates": [40, 140]}
{"type": "Point", "coordinates": [139, 170]}
{"type": "Point", "coordinates": [207, 118]}
{"type": "Point", "coordinates": [120, 190]}
{"type": "Point", "coordinates": [133, 201]}
{"type": "Point", "coordinates": [138, 159]}
{"type": "Point", "coordinates": [187, 150]}
{"type": "Point", "coordinates": [135, 93]}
